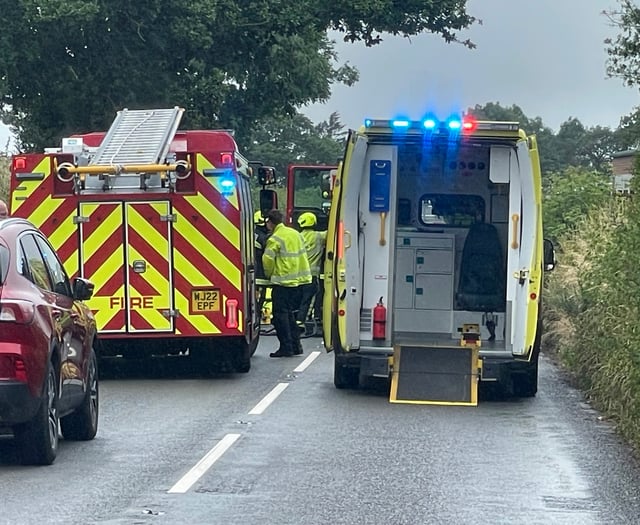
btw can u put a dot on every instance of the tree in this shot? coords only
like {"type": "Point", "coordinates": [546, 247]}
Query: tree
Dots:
{"type": "Point", "coordinates": [68, 65]}
{"type": "Point", "coordinates": [283, 140]}
{"type": "Point", "coordinates": [573, 145]}
{"type": "Point", "coordinates": [623, 51]}
{"type": "Point", "coordinates": [568, 197]}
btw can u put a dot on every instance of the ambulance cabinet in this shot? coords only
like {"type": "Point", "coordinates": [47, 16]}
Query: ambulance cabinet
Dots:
{"type": "Point", "coordinates": [424, 282]}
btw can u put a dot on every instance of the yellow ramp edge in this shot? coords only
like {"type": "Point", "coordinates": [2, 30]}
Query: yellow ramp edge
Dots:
{"type": "Point", "coordinates": [435, 375]}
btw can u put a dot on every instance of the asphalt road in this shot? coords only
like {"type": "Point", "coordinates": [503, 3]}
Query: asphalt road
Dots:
{"type": "Point", "coordinates": [278, 446]}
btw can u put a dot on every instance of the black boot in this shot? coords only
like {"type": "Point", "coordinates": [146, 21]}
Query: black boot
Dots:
{"type": "Point", "coordinates": [280, 353]}
{"type": "Point", "coordinates": [283, 331]}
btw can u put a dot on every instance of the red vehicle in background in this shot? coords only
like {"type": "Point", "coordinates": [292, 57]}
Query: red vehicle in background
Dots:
{"type": "Point", "coordinates": [309, 188]}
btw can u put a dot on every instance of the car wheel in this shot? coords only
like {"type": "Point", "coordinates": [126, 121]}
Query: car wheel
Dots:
{"type": "Point", "coordinates": [343, 375]}
{"type": "Point", "coordinates": [82, 424]}
{"type": "Point", "coordinates": [37, 440]}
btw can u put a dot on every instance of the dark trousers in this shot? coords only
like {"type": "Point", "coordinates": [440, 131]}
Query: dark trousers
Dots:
{"type": "Point", "coordinates": [308, 293]}
{"type": "Point", "coordinates": [317, 302]}
{"type": "Point", "coordinates": [285, 303]}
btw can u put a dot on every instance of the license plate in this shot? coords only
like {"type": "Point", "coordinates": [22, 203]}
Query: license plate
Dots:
{"type": "Point", "coordinates": [205, 300]}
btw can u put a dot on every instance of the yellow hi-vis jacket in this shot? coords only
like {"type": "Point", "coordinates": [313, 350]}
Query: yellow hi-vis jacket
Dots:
{"type": "Point", "coordinates": [315, 242]}
{"type": "Point", "coordinates": [285, 258]}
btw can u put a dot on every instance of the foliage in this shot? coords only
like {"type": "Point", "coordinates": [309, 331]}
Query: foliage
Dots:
{"type": "Point", "coordinates": [5, 177]}
{"type": "Point", "coordinates": [285, 140]}
{"type": "Point", "coordinates": [573, 145]}
{"type": "Point", "coordinates": [623, 56]}
{"type": "Point", "coordinates": [568, 196]}
{"type": "Point", "coordinates": [67, 66]}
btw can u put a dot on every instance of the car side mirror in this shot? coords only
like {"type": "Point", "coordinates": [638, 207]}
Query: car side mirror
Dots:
{"type": "Point", "coordinates": [266, 175]}
{"type": "Point", "coordinates": [549, 255]}
{"type": "Point", "coordinates": [82, 289]}
{"type": "Point", "coordinates": [268, 201]}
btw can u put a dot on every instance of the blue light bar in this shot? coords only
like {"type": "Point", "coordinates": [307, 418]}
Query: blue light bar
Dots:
{"type": "Point", "coordinates": [429, 123]}
{"type": "Point", "coordinates": [400, 123]}
{"type": "Point", "coordinates": [454, 124]}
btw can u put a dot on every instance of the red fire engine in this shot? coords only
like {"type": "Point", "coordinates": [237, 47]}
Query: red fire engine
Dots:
{"type": "Point", "coordinates": [161, 221]}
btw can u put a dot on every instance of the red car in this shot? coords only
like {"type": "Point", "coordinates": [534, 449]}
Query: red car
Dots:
{"type": "Point", "coordinates": [48, 365]}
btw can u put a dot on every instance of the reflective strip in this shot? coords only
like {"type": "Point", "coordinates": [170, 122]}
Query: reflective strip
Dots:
{"type": "Point", "coordinates": [293, 278]}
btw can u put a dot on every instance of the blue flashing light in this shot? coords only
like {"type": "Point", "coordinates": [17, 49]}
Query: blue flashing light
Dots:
{"type": "Point", "coordinates": [401, 123]}
{"type": "Point", "coordinates": [454, 124]}
{"type": "Point", "coordinates": [368, 122]}
{"type": "Point", "coordinates": [227, 183]}
{"type": "Point", "coordinates": [429, 123]}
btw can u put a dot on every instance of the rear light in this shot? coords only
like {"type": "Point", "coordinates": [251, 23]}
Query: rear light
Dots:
{"type": "Point", "coordinates": [12, 367]}
{"type": "Point", "coordinates": [19, 163]}
{"type": "Point", "coordinates": [232, 313]}
{"type": "Point", "coordinates": [226, 159]}
{"type": "Point", "coordinates": [17, 311]}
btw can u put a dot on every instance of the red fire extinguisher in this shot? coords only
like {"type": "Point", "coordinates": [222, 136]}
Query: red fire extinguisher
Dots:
{"type": "Point", "coordinates": [379, 320]}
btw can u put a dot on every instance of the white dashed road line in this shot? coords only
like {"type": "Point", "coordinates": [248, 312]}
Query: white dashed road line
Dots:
{"type": "Point", "coordinates": [268, 399]}
{"type": "Point", "coordinates": [305, 364]}
{"type": "Point", "coordinates": [200, 468]}
{"type": "Point", "coordinates": [203, 465]}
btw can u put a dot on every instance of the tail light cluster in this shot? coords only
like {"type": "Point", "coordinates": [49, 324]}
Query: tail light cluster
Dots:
{"type": "Point", "coordinates": [12, 367]}
{"type": "Point", "coordinates": [17, 311]}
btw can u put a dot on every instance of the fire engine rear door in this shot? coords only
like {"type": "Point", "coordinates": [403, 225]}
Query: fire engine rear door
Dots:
{"type": "Point", "coordinates": [148, 263]}
{"type": "Point", "coordinates": [101, 232]}
{"type": "Point", "coordinates": [124, 251]}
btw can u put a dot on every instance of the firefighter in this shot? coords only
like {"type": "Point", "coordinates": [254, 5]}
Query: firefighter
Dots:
{"type": "Point", "coordinates": [315, 242]}
{"type": "Point", "coordinates": [261, 233]}
{"type": "Point", "coordinates": [286, 265]}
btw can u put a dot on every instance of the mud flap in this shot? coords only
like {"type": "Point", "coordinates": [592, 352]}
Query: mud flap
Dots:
{"type": "Point", "coordinates": [435, 375]}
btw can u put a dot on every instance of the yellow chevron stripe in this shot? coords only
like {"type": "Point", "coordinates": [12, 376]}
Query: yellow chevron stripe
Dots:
{"type": "Point", "coordinates": [186, 268]}
{"type": "Point", "coordinates": [225, 266]}
{"type": "Point", "coordinates": [138, 223]}
{"type": "Point", "coordinates": [216, 218]}
{"type": "Point", "coordinates": [204, 164]}
{"type": "Point", "coordinates": [28, 187]}
{"type": "Point", "coordinates": [103, 313]}
{"type": "Point", "coordinates": [65, 230]}
{"type": "Point", "coordinates": [155, 278]}
{"type": "Point", "coordinates": [111, 223]}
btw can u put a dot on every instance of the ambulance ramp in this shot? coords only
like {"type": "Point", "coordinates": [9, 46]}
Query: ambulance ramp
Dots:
{"type": "Point", "coordinates": [434, 375]}
{"type": "Point", "coordinates": [141, 136]}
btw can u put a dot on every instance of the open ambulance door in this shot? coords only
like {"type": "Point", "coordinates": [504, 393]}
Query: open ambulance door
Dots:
{"type": "Point", "coordinates": [525, 239]}
{"type": "Point", "coordinates": [341, 308]}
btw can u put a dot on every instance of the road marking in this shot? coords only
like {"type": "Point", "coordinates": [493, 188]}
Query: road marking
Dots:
{"type": "Point", "coordinates": [305, 364]}
{"type": "Point", "coordinates": [203, 465]}
{"type": "Point", "coordinates": [268, 399]}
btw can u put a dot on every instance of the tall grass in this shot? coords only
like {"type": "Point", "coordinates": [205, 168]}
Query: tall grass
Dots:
{"type": "Point", "coordinates": [592, 307]}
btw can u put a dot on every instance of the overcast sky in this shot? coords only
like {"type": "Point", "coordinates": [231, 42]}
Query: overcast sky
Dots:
{"type": "Point", "coordinates": [547, 56]}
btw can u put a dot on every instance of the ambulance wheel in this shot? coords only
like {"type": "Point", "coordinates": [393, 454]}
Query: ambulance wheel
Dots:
{"type": "Point", "coordinates": [525, 381]}
{"type": "Point", "coordinates": [344, 376]}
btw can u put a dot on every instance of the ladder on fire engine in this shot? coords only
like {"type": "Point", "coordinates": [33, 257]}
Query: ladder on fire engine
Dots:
{"type": "Point", "coordinates": [140, 136]}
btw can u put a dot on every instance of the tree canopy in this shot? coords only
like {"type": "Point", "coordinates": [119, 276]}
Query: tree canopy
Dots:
{"type": "Point", "coordinates": [68, 65]}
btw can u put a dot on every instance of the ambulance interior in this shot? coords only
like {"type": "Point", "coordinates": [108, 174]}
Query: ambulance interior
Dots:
{"type": "Point", "coordinates": [451, 235]}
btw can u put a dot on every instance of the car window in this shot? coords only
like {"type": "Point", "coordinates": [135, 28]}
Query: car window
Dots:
{"type": "Point", "coordinates": [56, 270]}
{"type": "Point", "coordinates": [32, 266]}
{"type": "Point", "coordinates": [4, 263]}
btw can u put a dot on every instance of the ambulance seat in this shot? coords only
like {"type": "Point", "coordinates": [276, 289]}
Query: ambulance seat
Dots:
{"type": "Point", "coordinates": [481, 287]}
